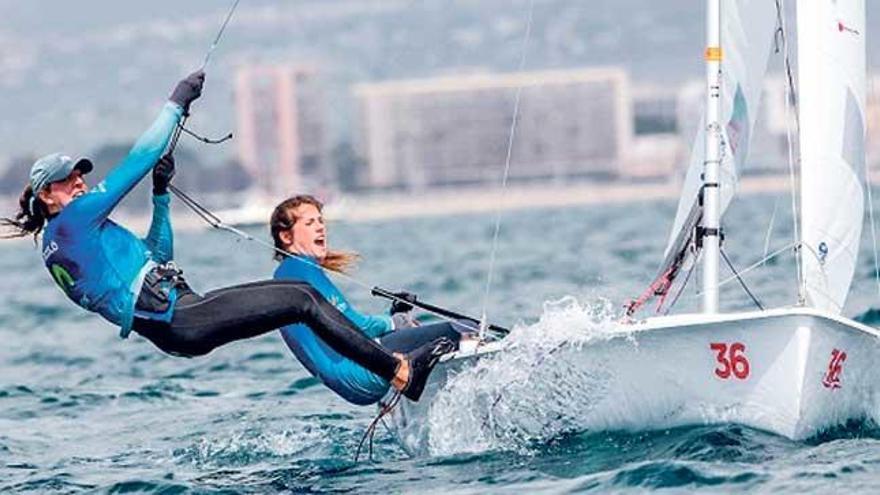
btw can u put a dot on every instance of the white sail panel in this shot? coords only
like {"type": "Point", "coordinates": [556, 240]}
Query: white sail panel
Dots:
{"type": "Point", "coordinates": [747, 28]}
{"type": "Point", "coordinates": [832, 79]}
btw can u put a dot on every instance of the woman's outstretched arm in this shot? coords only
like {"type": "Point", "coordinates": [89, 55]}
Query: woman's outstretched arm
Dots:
{"type": "Point", "coordinates": [95, 206]}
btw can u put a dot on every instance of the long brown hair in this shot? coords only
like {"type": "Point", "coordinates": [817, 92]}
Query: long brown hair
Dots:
{"type": "Point", "coordinates": [283, 219]}
{"type": "Point", "coordinates": [29, 219]}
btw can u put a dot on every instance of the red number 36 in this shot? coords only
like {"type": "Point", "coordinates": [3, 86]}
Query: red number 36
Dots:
{"type": "Point", "coordinates": [731, 360]}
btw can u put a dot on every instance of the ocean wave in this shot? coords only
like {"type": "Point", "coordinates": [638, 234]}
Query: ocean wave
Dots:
{"type": "Point", "coordinates": [666, 474]}
{"type": "Point", "coordinates": [252, 446]}
{"type": "Point", "coordinates": [53, 358]}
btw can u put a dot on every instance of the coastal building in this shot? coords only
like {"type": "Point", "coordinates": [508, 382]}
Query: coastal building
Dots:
{"type": "Point", "coordinates": [447, 131]}
{"type": "Point", "coordinates": [655, 110]}
{"type": "Point", "coordinates": [656, 148]}
{"type": "Point", "coordinates": [281, 128]}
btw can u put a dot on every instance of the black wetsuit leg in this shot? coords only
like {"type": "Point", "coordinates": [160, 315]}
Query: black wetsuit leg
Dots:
{"type": "Point", "coordinates": [408, 339]}
{"type": "Point", "coordinates": [203, 323]}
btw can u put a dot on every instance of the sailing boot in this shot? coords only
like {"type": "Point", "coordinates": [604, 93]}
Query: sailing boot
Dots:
{"type": "Point", "coordinates": [421, 361]}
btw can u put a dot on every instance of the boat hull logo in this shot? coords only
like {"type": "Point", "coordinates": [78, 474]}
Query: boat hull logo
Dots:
{"type": "Point", "coordinates": [831, 380]}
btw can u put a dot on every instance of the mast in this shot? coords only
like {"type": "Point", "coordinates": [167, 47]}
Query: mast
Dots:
{"type": "Point", "coordinates": [710, 230]}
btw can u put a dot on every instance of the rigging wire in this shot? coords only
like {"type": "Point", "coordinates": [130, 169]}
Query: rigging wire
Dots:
{"type": "Point", "coordinates": [791, 111]}
{"type": "Point", "coordinates": [204, 139]}
{"type": "Point", "coordinates": [684, 283]}
{"type": "Point", "coordinates": [219, 35]}
{"type": "Point", "coordinates": [791, 100]}
{"type": "Point", "coordinates": [181, 126]}
{"type": "Point", "coordinates": [214, 221]}
{"type": "Point", "coordinates": [769, 235]}
{"type": "Point", "coordinates": [741, 281]}
{"type": "Point", "coordinates": [370, 432]}
{"type": "Point", "coordinates": [760, 263]}
{"type": "Point", "coordinates": [754, 266]}
{"type": "Point", "coordinates": [737, 276]}
{"type": "Point", "coordinates": [873, 96]}
{"type": "Point", "coordinates": [510, 140]}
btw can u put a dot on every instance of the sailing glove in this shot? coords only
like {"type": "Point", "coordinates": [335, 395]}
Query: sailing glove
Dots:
{"type": "Point", "coordinates": [188, 90]}
{"type": "Point", "coordinates": [400, 305]}
{"type": "Point", "coordinates": [162, 174]}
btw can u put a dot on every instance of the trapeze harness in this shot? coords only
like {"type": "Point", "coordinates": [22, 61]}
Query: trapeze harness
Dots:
{"type": "Point", "coordinates": [347, 378]}
{"type": "Point", "coordinates": [132, 283]}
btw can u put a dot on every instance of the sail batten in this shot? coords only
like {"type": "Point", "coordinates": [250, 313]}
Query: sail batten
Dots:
{"type": "Point", "coordinates": [832, 81]}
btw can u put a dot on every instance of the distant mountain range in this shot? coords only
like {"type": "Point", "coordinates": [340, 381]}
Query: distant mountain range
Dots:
{"type": "Point", "coordinates": [78, 75]}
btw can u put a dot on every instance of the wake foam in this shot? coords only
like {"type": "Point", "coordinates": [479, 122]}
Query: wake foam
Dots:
{"type": "Point", "coordinates": [535, 389]}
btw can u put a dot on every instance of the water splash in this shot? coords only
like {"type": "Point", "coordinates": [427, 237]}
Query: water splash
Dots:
{"type": "Point", "coordinates": [536, 389]}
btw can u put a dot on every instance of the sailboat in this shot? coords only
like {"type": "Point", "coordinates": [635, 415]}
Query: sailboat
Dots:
{"type": "Point", "coordinates": [794, 371]}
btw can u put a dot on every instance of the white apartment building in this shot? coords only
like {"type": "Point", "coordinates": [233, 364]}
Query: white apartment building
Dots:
{"type": "Point", "coordinates": [445, 131]}
{"type": "Point", "coordinates": [281, 128]}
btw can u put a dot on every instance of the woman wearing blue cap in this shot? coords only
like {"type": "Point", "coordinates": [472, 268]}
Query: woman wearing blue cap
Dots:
{"type": "Point", "coordinates": [133, 283]}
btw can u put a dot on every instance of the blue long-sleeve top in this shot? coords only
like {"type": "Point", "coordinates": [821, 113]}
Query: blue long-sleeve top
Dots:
{"type": "Point", "coordinates": [99, 264]}
{"type": "Point", "coordinates": [345, 377]}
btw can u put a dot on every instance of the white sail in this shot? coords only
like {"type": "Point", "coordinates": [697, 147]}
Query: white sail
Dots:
{"type": "Point", "coordinates": [747, 28]}
{"type": "Point", "coordinates": [831, 74]}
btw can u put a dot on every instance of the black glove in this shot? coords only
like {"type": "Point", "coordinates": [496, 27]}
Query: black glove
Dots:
{"type": "Point", "coordinates": [188, 90]}
{"type": "Point", "coordinates": [400, 305]}
{"type": "Point", "coordinates": [162, 174]}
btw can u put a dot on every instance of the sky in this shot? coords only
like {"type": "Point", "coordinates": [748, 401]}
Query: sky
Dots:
{"type": "Point", "coordinates": [85, 73]}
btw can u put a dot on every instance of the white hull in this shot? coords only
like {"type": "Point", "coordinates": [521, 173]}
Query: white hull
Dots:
{"type": "Point", "coordinates": [792, 372]}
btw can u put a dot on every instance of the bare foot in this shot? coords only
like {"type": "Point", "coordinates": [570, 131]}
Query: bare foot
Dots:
{"type": "Point", "coordinates": [401, 378]}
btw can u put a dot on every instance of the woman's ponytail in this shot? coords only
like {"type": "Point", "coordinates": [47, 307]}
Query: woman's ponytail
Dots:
{"type": "Point", "coordinates": [30, 218]}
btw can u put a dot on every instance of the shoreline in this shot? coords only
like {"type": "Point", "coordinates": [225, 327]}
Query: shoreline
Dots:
{"type": "Point", "coordinates": [367, 208]}
{"type": "Point", "coordinates": [374, 207]}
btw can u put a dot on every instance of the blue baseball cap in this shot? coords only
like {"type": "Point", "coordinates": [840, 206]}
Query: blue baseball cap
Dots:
{"type": "Point", "coordinates": [55, 167]}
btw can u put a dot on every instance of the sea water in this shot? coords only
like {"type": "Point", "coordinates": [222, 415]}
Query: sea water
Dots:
{"type": "Point", "coordinates": [82, 411]}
